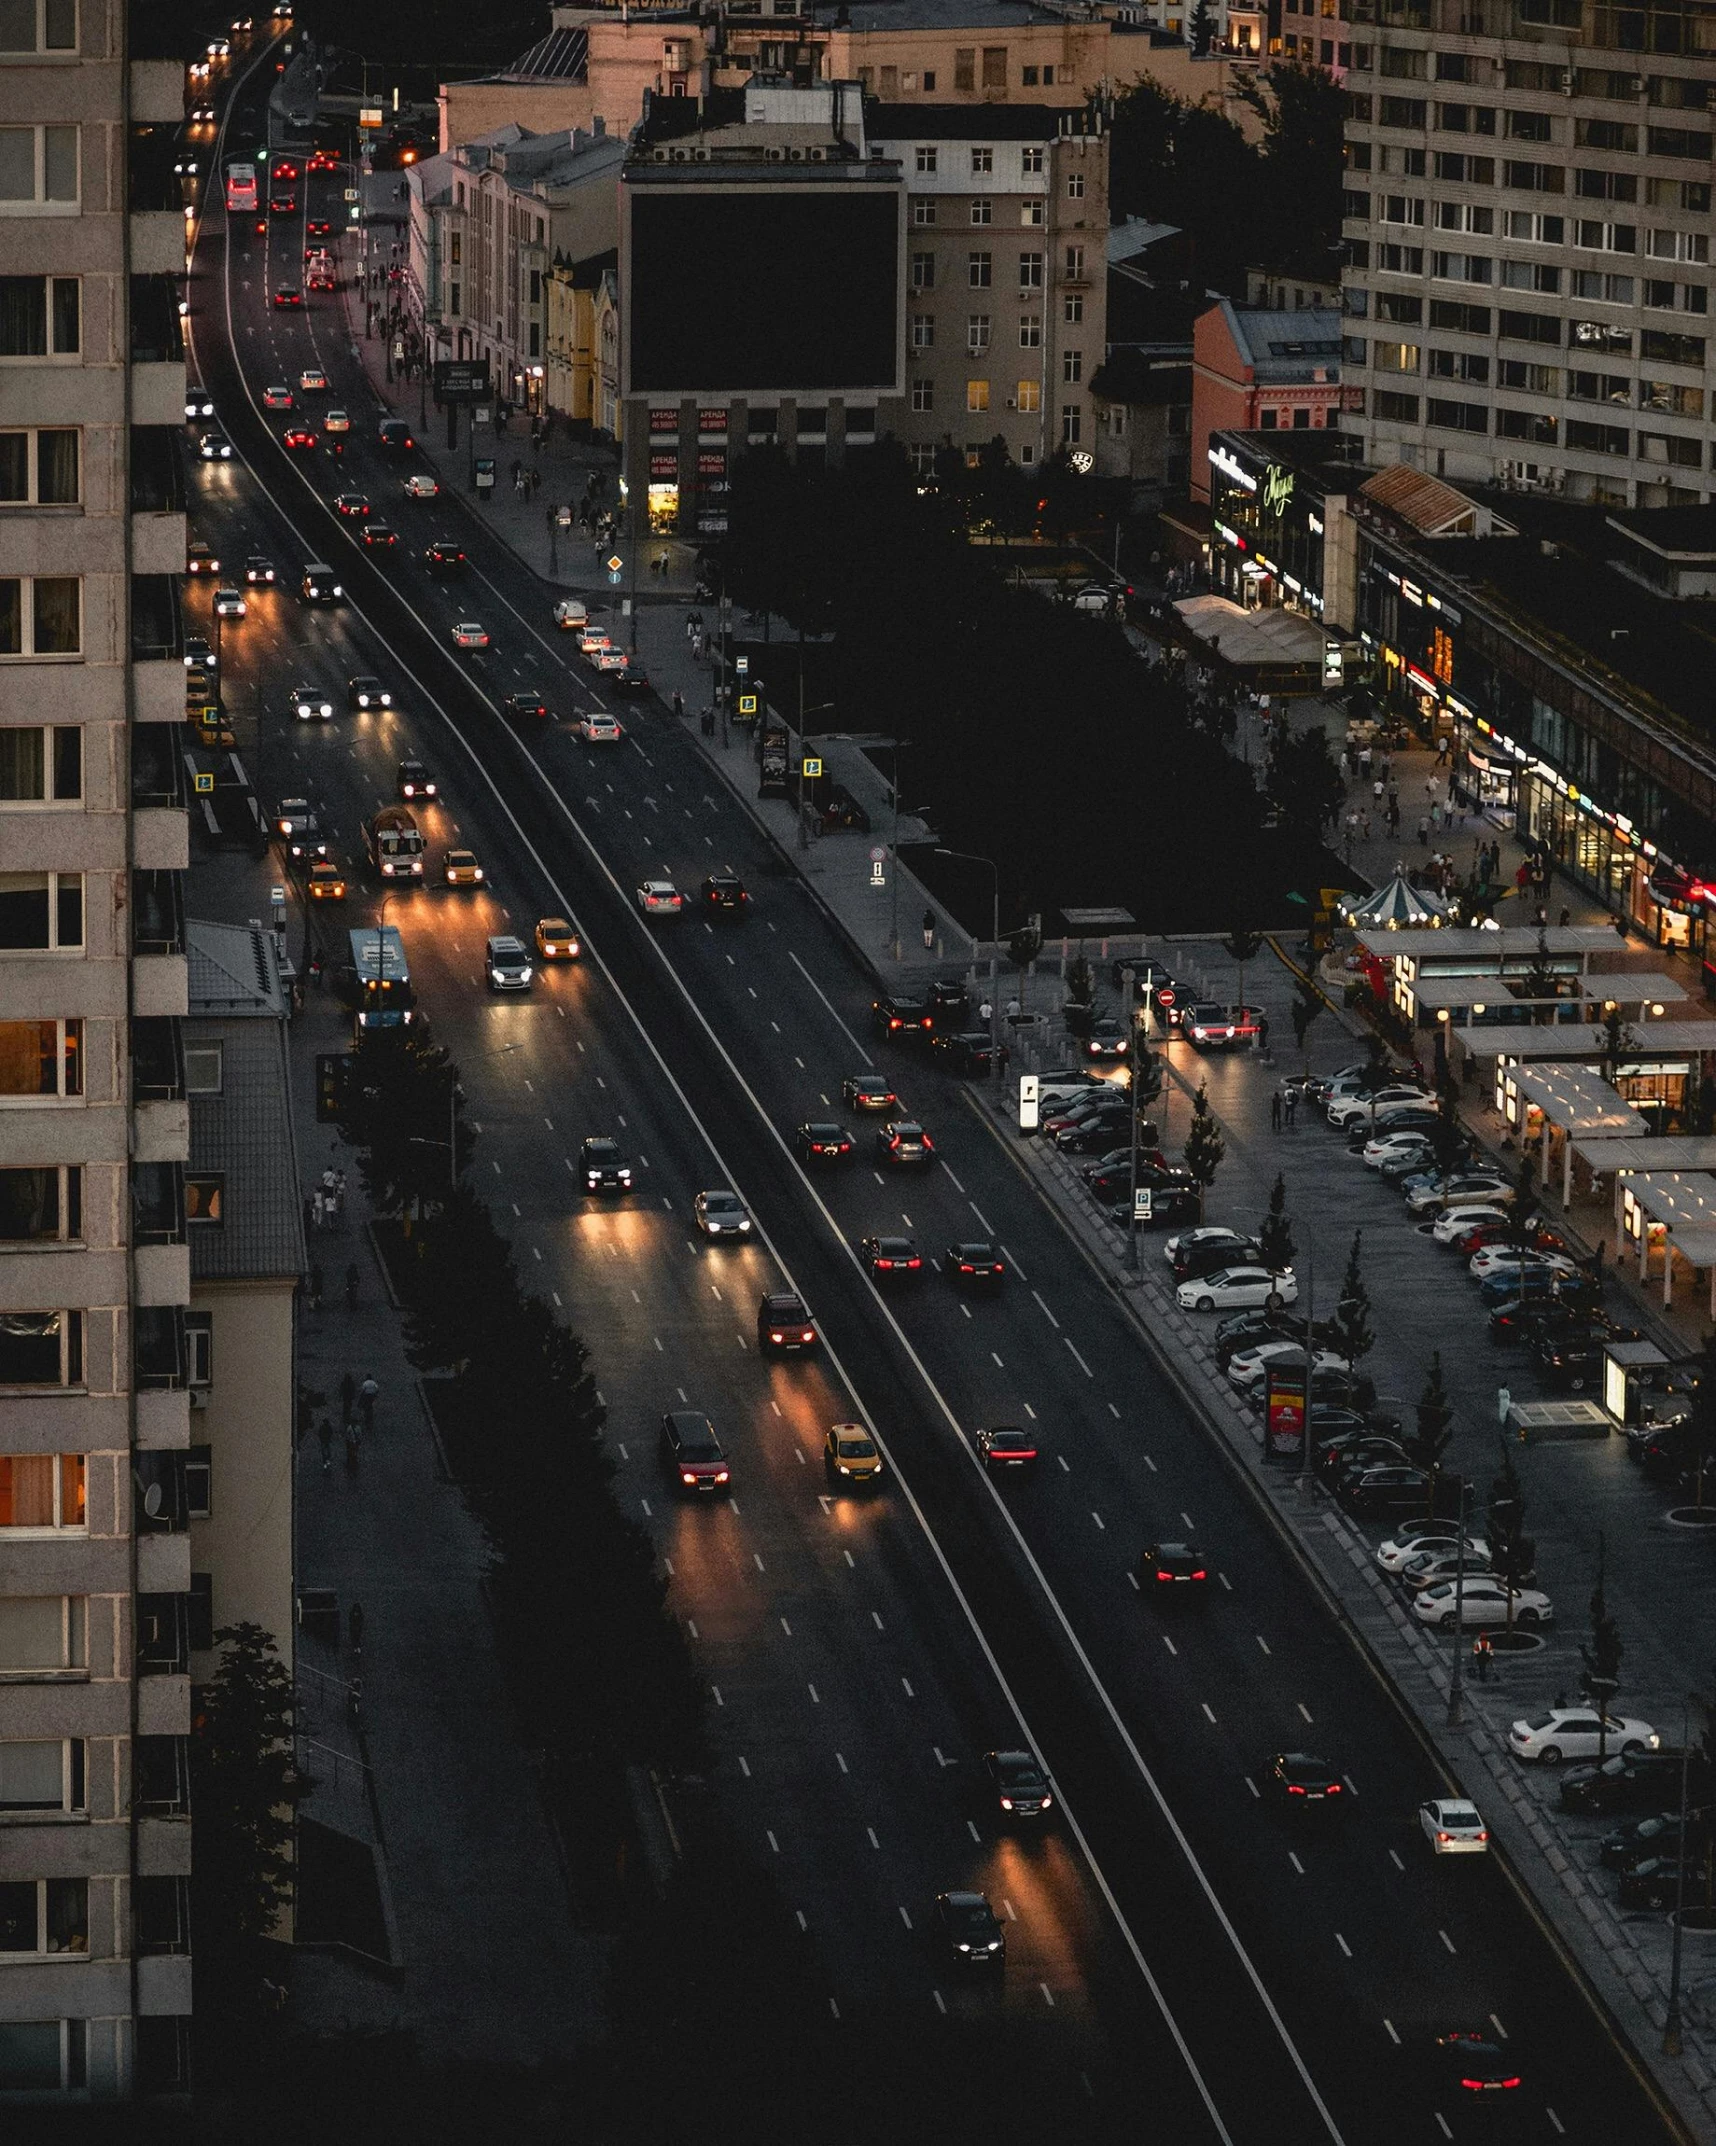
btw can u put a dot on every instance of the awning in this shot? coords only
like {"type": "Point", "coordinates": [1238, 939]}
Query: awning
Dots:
{"type": "Point", "coordinates": [1575, 1100]}
{"type": "Point", "coordinates": [1398, 906]}
{"type": "Point", "coordinates": [1685, 1204]}
{"type": "Point", "coordinates": [1608, 1152]}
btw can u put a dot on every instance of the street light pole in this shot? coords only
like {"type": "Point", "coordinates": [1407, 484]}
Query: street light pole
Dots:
{"type": "Point", "coordinates": [1456, 1684]}
{"type": "Point", "coordinates": [1309, 1301]}
{"type": "Point", "coordinates": [1127, 977]}
{"type": "Point", "coordinates": [1671, 2042]}
{"type": "Point", "coordinates": [994, 870]}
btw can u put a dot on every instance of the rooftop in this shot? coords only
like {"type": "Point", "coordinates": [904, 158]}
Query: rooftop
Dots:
{"type": "Point", "coordinates": [234, 970]}
{"type": "Point", "coordinates": [978, 123]}
{"type": "Point", "coordinates": [1284, 345]}
{"type": "Point", "coordinates": [868, 15]}
{"type": "Point", "coordinates": [529, 162]}
{"type": "Point", "coordinates": [1429, 506]}
{"type": "Point", "coordinates": [561, 56]}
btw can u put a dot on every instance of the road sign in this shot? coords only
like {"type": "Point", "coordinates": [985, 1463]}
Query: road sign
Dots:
{"type": "Point", "coordinates": [613, 573]}
{"type": "Point", "coordinates": [1142, 1195]}
{"type": "Point", "coordinates": [485, 473]}
{"type": "Point", "coordinates": [812, 769]}
{"type": "Point", "coordinates": [351, 193]}
{"type": "Point", "coordinates": [461, 379]}
{"type": "Point", "coordinates": [1285, 1412]}
{"type": "Point", "coordinates": [277, 895]}
{"type": "Point", "coordinates": [614, 562]}
{"type": "Point", "coordinates": [877, 854]}
{"type": "Point", "coordinates": [747, 704]}
{"type": "Point", "coordinates": [1030, 1101]}
{"type": "Point", "coordinates": [742, 665]}
{"type": "Point", "coordinates": [878, 874]}
{"type": "Point", "coordinates": [480, 413]}
{"type": "Point", "coordinates": [398, 349]}
{"type": "Point", "coordinates": [203, 785]}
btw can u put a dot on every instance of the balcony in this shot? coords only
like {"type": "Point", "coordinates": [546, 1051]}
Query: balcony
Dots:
{"type": "Point", "coordinates": [157, 1062]}
{"type": "Point", "coordinates": [158, 1348]}
{"type": "Point", "coordinates": [157, 334]}
{"type": "Point", "coordinates": [159, 1482]}
{"type": "Point", "coordinates": [157, 630]}
{"type": "Point", "coordinates": [163, 1639]}
{"type": "Point", "coordinates": [157, 469]}
{"type": "Point", "coordinates": [157, 913]}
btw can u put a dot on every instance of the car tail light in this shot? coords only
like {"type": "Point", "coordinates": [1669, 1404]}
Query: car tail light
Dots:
{"type": "Point", "coordinates": [965, 1267]}
{"type": "Point", "coordinates": [1200, 1574]}
{"type": "Point", "coordinates": [1164, 1575]}
{"type": "Point", "coordinates": [914, 1262]}
{"type": "Point", "coordinates": [1444, 1836]}
{"type": "Point", "coordinates": [1292, 1790]}
{"type": "Point", "coordinates": [1483, 1833]}
{"type": "Point", "coordinates": [1334, 1788]}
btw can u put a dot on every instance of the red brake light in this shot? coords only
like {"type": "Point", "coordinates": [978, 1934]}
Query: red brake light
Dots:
{"type": "Point", "coordinates": [914, 1262]}
{"type": "Point", "coordinates": [999, 1268]}
{"type": "Point", "coordinates": [1006, 1803]}
{"type": "Point", "coordinates": [1334, 1788]}
{"type": "Point", "coordinates": [1293, 1790]}
{"type": "Point", "coordinates": [1161, 1575]}
{"type": "Point", "coordinates": [1483, 1833]}
{"type": "Point", "coordinates": [1200, 1574]}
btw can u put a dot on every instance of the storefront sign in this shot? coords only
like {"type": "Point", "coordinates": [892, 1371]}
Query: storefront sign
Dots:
{"type": "Point", "coordinates": [711, 420]}
{"type": "Point", "coordinates": [1222, 460]}
{"type": "Point", "coordinates": [1277, 490]}
{"type": "Point", "coordinates": [712, 463]}
{"type": "Point", "coordinates": [664, 465]}
{"type": "Point", "coordinates": [664, 420]}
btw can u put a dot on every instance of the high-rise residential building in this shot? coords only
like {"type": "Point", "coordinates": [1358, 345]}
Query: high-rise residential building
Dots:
{"type": "Point", "coordinates": [1528, 237]}
{"type": "Point", "coordinates": [94, 1268]}
{"type": "Point", "coordinates": [1006, 274]}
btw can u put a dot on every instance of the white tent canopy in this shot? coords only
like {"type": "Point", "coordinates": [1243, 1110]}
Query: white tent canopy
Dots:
{"type": "Point", "coordinates": [1396, 906]}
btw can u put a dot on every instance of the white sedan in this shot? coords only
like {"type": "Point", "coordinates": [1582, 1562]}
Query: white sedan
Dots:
{"type": "Point", "coordinates": [1574, 1732]}
{"type": "Point", "coordinates": [1349, 1109]}
{"type": "Point", "coordinates": [1483, 1603]}
{"type": "Point", "coordinates": [660, 898]}
{"type": "Point", "coordinates": [1453, 1222]}
{"type": "Point", "coordinates": [230, 603]}
{"type": "Point", "coordinates": [609, 659]}
{"type": "Point", "coordinates": [1209, 1233]}
{"type": "Point", "coordinates": [1453, 1826]}
{"type": "Point", "coordinates": [1417, 1536]}
{"type": "Point", "coordinates": [420, 485]}
{"type": "Point", "coordinates": [1438, 1194]}
{"type": "Point", "coordinates": [1251, 1366]}
{"type": "Point", "coordinates": [1238, 1289]}
{"type": "Point", "coordinates": [591, 639]}
{"type": "Point", "coordinates": [596, 728]}
{"type": "Point", "coordinates": [1386, 1146]}
{"type": "Point", "coordinates": [1508, 1259]}
{"type": "Point", "coordinates": [468, 634]}
{"type": "Point", "coordinates": [721, 1214]}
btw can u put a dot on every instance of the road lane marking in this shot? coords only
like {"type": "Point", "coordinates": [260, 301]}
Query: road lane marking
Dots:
{"type": "Point", "coordinates": [744, 1766]}
{"type": "Point", "coordinates": [815, 1700]}
{"type": "Point", "coordinates": [907, 1683]}
{"type": "Point", "coordinates": [774, 1844]}
{"type": "Point", "coordinates": [838, 1022]}
{"type": "Point", "coordinates": [1204, 1703]}
{"type": "Point", "coordinates": [1166, 1641]}
{"type": "Point", "coordinates": [1394, 1858]}
{"type": "Point", "coordinates": [841, 1763]}
{"type": "Point", "coordinates": [988, 1226]}
{"type": "Point", "coordinates": [958, 1187]}
{"type": "Point", "coordinates": [786, 1628]}
{"type": "Point", "coordinates": [1345, 1947]}
{"type": "Point", "coordinates": [1264, 1644]}
{"type": "Point", "coordinates": [1446, 1939]}
{"type": "Point", "coordinates": [876, 1620]}
{"type": "Point", "coordinates": [874, 1842]}
{"type": "Point", "coordinates": [1049, 1315]}
{"type": "Point", "coordinates": [1305, 1710]}
{"type": "Point", "coordinates": [1294, 1860]}
{"type": "Point", "coordinates": [1101, 1523]}
{"type": "Point", "coordinates": [1079, 1360]}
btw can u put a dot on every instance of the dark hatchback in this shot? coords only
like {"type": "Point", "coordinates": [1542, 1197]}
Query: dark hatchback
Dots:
{"type": "Point", "coordinates": [891, 1258]}
{"type": "Point", "coordinates": [972, 1052]}
{"type": "Point", "coordinates": [1299, 1778]}
{"type": "Point", "coordinates": [1647, 1781]}
{"type": "Point", "coordinates": [901, 1019]}
{"type": "Point", "coordinates": [823, 1141]}
{"type": "Point", "coordinates": [693, 1453]}
{"type": "Point", "coordinates": [1021, 1787]}
{"type": "Point", "coordinates": [602, 1167]}
{"type": "Point", "coordinates": [1005, 1448]}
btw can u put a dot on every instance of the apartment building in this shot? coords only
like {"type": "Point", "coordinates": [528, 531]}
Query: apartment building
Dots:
{"type": "Point", "coordinates": [94, 1269]}
{"type": "Point", "coordinates": [1006, 274]}
{"type": "Point", "coordinates": [1528, 244]}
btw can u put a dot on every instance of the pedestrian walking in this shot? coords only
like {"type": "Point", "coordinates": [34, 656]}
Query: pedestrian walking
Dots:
{"type": "Point", "coordinates": [1432, 788]}
{"type": "Point", "coordinates": [1483, 1658]}
{"type": "Point", "coordinates": [678, 701]}
{"type": "Point", "coordinates": [1566, 915]}
{"type": "Point", "coordinates": [368, 1394]}
{"type": "Point", "coordinates": [351, 1285]}
{"type": "Point", "coordinates": [1290, 1106]}
{"type": "Point", "coordinates": [1364, 826]}
{"type": "Point", "coordinates": [985, 1012]}
{"type": "Point", "coordinates": [929, 931]}
{"type": "Point", "coordinates": [310, 1216]}
{"type": "Point", "coordinates": [354, 1625]}
{"type": "Point", "coordinates": [1376, 792]}
{"type": "Point", "coordinates": [1275, 1111]}
{"type": "Point", "coordinates": [1394, 816]}
{"type": "Point", "coordinates": [325, 1438]}
{"type": "Point", "coordinates": [348, 1396]}
{"type": "Point", "coordinates": [1424, 827]}
{"type": "Point", "coordinates": [315, 1286]}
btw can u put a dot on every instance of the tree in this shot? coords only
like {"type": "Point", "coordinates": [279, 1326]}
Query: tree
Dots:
{"type": "Point", "coordinates": [1242, 945]}
{"type": "Point", "coordinates": [1448, 1135]}
{"type": "Point", "coordinates": [1522, 1210]}
{"type": "Point", "coordinates": [1433, 1427]}
{"type": "Point", "coordinates": [464, 1290]}
{"type": "Point", "coordinates": [1303, 781]}
{"type": "Point", "coordinates": [1205, 1146]}
{"type": "Point", "coordinates": [244, 1784]}
{"type": "Point", "coordinates": [1619, 1045]}
{"type": "Point", "coordinates": [1275, 1234]}
{"type": "Point", "coordinates": [1513, 1554]}
{"type": "Point", "coordinates": [1308, 1003]}
{"type": "Point", "coordinates": [402, 1102]}
{"type": "Point", "coordinates": [1601, 1653]}
{"type": "Point", "coordinates": [1302, 162]}
{"type": "Point", "coordinates": [1202, 27]}
{"type": "Point", "coordinates": [1146, 1082]}
{"type": "Point", "coordinates": [1354, 1336]}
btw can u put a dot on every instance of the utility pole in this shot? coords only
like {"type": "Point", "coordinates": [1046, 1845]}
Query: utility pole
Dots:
{"type": "Point", "coordinates": [1456, 1682]}
{"type": "Point", "coordinates": [1127, 976]}
{"type": "Point", "coordinates": [1305, 1440]}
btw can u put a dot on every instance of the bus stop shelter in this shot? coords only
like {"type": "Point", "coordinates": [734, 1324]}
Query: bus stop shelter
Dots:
{"type": "Point", "coordinates": [1574, 1103]}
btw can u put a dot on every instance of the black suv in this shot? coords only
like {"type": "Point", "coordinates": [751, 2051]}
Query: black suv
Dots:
{"type": "Point", "coordinates": [972, 1051]}
{"type": "Point", "coordinates": [602, 1167]}
{"type": "Point", "coordinates": [444, 556]}
{"type": "Point", "coordinates": [901, 1018]}
{"type": "Point", "coordinates": [393, 435]}
{"type": "Point", "coordinates": [949, 1004]}
{"type": "Point", "coordinates": [724, 894]}
{"type": "Point", "coordinates": [784, 1323]}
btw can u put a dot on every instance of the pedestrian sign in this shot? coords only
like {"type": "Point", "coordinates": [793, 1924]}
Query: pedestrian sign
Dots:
{"type": "Point", "coordinates": [812, 769]}
{"type": "Point", "coordinates": [614, 562]}
{"type": "Point", "coordinates": [203, 785]}
{"type": "Point", "coordinates": [747, 704]}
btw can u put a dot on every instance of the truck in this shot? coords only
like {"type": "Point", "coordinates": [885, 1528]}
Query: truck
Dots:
{"type": "Point", "coordinates": [394, 844]}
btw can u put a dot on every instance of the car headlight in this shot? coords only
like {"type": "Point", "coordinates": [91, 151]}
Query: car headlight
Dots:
{"type": "Point", "coordinates": [844, 1470]}
{"type": "Point", "coordinates": [625, 1177]}
{"type": "Point", "coordinates": [963, 1946]}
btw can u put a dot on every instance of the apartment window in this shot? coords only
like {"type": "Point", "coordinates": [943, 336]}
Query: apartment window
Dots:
{"type": "Point", "coordinates": [1033, 213]}
{"type": "Point", "coordinates": [1675, 401]}
{"type": "Point", "coordinates": [41, 615]}
{"type": "Point", "coordinates": [1401, 111]}
{"type": "Point", "coordinates": [38, 169]}
{"type": "Point", "coordinates": [1400, 260]}
{"type": "Point", "coordinates": [1463, 216]}
{"type": "Point", "coordinates": [1072, 367]}
{"type": "Point", "coordinates": [995, 67]}
{"type": "Point", "coordinates": [42, 1776]}
{"type": "Point", "coordinates": [1692, 195]}
{"type": "Point", "coordinates": [1465, 365]}
{"type": "Point", "coordinates": [40, 317]}
{"type": "Point", "coordinates": [1030, 271]}
{"type": "Point", "coordinates": [1074, 263]}
{"type": "Point", "coordinates": [1465, 170]}
{"type": "Point", "coordinates": [161, 1916]}
{"type": "Point", "coordinates": [1599, 335]}
{"type": "Point", "coordinates": [1072, 425]}
{"type": "Point", "coordinates": [1535, 379]}
{"type": "Point", "coordinates": [39, 467]}
{"type": "Point", "coordinates": [1466, 118]}
{"type": "Point", "coordinates": [1593, 185]}
{"type": "Point", "coordinates": [42, 1634]}
{"type": "Point", "coordinates": [41, 765]}
{"type": "Point", "coordinates": [1534, 178]}
{"type": "Point", "coordinates": [1533, 229]}
{"type": "Point", "coordinates": [921, 454]}
{"type": "Point", "coordinates": [1072, 310]}
{"type": "Point", "coordinates": [1394, 357]}
{"type": "Point", "coordinates": [1454, 67]}
{"type": "Point", "coordinates": [1030, 331]}
{"type": "Point", "coordinates": [1679, 246]}
{"type": "Point", "coordinates": [41, 1348]}
{"type": "Point", "coordinates": [1594, 236]}
{"type": "Point", "coordinates": [923, 331]}
{"type": "Point", "coordinates": [1399, 306]}
{"type": "Point", "coordinates": [44, 1915]}
{"type": "Point", "coordinates": [205, 1200]}
{"type": "Point", "coordinates": [1355, 205]}
{"type": "Point", "coordinates": [929, 81]}
{"type": "Point", "coordinates": [1398, 409]}
{"type": "Point", "coordinates": [1400, 209]}
{"type": "Point", "coordinates": [1462, 267]}
{"type": "Point", "coordinates": [1608, 290]}
{"type": "Point", "coordinates": [1671, 447]}
{"type": "Point", "coordinates": [42, 1205]}
{"type": "Point", "coordinates": [454, 300]}
{"type": "Point", "coordinates": [923, 212]}
{"type": "Point", "coordinates": [1354, 350]}
{"type": "Point", "coordinates": [923, 394]}
{"type": "Point", "coordinates": [927, 156]}
{"type": "Point", "coordinates": [923, 271]}
{"type": "Point", "coordinates": [1530, 276]}
{"type": "Point", "coordinates": [1529, 425]}
{"type": "Point", "coordinates": [1028, 77]}
{"type": "Point", "coordinates": [1599, 387]}
{"type": "Point", "coordinates": [1075, 185]}
{"type": "Point", "coordinates": [977, 333]}
{"type": "Point", "coordinates": [965, 67]}
{"type": "Point", "coordinates": [978, 270]}
{"type": "Point", "coordinates": [199, 1349]}
{"type": "Point", "coordinates": [38, 26]}
{"type": "Point", "coordinates": [1677, 141]}
{"type": "Point", "coordinates": [454, 248]}
{"type": "Point", "coordinates": [1267, 420]}
{"type": "Point", "coordinates": [983, 212]}
{"type": "Point", "coordinates": [1403, 64]}
{"type": "Point", "coordinates": [1529, 127]}
{"type": "Point", "coordinates": [977, 394]}
{"type": "Point", "coordinates": [1598, 439]}
{"type": "Point", "coordinates": [199, 1482]}
{"type": "Point", "coordinates": [41, 912]}
{"type": "Point", "coordinates": [1359, 107]}
{"type": "Point", "coordinates": [1684, 92]}
{"type": "Point", "coordinates": [1031, 161]}
{"type": "Point", "coordinates": [1663, 349]}
{"type": "Point", "coordinates": [1457, 416]}
{"type": "Point", "coordinates": [982, 162]}
{"type": "Point", "coordinates": [41, 1493]}
{"type": "Point", "coordinates": [1606, 134]}
{"type": "Point", "coordinates": [1030, 396]}
{"type": "Point", "coordinates": [44, 2056]}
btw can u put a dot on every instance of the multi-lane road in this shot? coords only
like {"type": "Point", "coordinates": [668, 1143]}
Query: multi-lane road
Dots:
{"type": "Point", "coordinates": [1176, 1940]}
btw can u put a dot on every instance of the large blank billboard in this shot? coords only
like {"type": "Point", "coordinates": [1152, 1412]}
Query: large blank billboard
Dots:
{"type": "Point", "coordinates": [764, 290]}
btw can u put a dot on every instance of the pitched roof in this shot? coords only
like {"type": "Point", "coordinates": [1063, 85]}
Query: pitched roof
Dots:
{"type": "Point", "coordinates": [1421, 502]}
{"type": "Point", "coordinates": [561, 56]}
{"type": "Point", "coordinates": [234, 969]}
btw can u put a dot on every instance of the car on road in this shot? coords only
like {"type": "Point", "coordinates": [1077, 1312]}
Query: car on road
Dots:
{"type": "Point", "coordinates": [318, 227]}
{"type": "Point", "coordinates": [1107, 1039]}
{"type": "Point", "coordinates": [556, 940]}
{"type": "Point", "coordinates": [198, 403]}
{"type": "Point", "coordinates": [288, 297]}
{"type": "Point", "coordinates": [413, 780]}
{"type": "Point", "coordinates": [630, 676]}
{"type": "Point", "coordinates": [974, 1264]}
{"type": "Point", "coordinates": [591, 639]}
{"type": "Point", "coordinates": [312, 381]}
{"type": "Point", "coordinates": [971, 1053]}
{"type": "Point", "coordinates": [470, 633]}
{"type": "Point", "coordinates": [903, 1142]}
{"type": "Point", "coordinates": [949, 1002]}
{"type": "Point", "coordinates": [379, 536]}
{"type": "Point", "coordinates": [1475, 2066]}
{"type": "Point", "coordinates": [1006, 1449]}
{"type": "Point", "coordinates": [1453, 1826]}
{"type": "Point", "coordinates": [1208, 1027]}
{"type": "Point", "coordinates": [1413, 1537]}
{"type": "Point", "coordinates": [783, 1323]}
{"type": "Point", "coordinates": [849, 1455]}
{"type": "Point", "coordinates": [229, 603]}
{"type": "Point", "coordinates": [1300, 1777]}
{"type": "Point", "coordinates": [200, 559]}
{"type": "Point", "coordinates": [325, 881]}
{"type": "Point", "coordinates": [299, 438]}
{"type": "Point", "coordinates": [214, 447]}
{"type": "Point", "coordinates": [459, 868]}
{"type": "Point", "coordinates": [318, 585]}
{"type": "Point", "coordinates": [421, 485]}
{"type": "Point", "coordinates": [596, 727]}
{"type": "Point", "coordinates": [259, 571]}
{"type": "Point", "coordinates": [1018, 1783]}
{"type": "Point", "coordinates": [444, 557]}
{"type": "Point", "coordinates": [602, 1166]}
{"type": "Point", "coordinates": [366, 692]}
{"type": "Point", "coordinates": [659, 899]}
{"type": "Point", "coordinates": [310, 704]}
{"type": "Point", "coordinates": [337, 421]}
{"type": "Point", "coordinates": [692, 1453]}
{"type": "Point", "coordinates": [820, 1140]}
{"type": "Point", "coordinates": [508, 963]}
{"type": "Point", "coordinates": [721, 1214]}
{"type": "Point", "coordinates": [1172, 1568]}
{"type": "Point", "coordinates": [1236, 1288]}
{"type": "Point", "coordinates": [868, 1091]}
{"type": "Point", "coordinates": [1575, 1732]}
{"type": "Point", "coordinates": [295, 819]}
{"type": "Point", "coordinates": [1484, 1604]}
{"type": "Point", "coordinates": [901, 1018]}
{"type": "Point", "coordinates": [354, 506]}
{"type": "Point", "coordinates": [890, 1258]}
{"type": "Point", "coordinates": [1648, 1781]}
{"type": "Point", "coordinates": [967, 1931]}
{"type": "Point", "coordinates": [394, 437]}
{"type": "Point", "coordinates": [571, 614]}
{"type": "Point", "coordinates": [609, 660]}
{"type": "Point", "coordinates": [723, 895]}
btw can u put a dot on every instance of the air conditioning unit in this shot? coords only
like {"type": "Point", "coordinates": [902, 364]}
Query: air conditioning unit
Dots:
{"type": "Point", "coordinates": [676, 156]}
{"type": "Point", "coordinates": [775, 155]}
{"type": "Point", "coordinates": [1638, 85]}
{"type": "Point", "coordinates": [1567, 80]}
{"type": "Point", "coordinates": [700, 156]}
{"type": "Point", "coordinates": [795, 156]}
{"type": "Point", "coordinates": [199, 1397]}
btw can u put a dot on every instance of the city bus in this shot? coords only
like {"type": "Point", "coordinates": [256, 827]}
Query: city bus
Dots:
{"type": "Point", "coordinates": [241, 188]}
{"type": "Point", "coordinates": [377, 981]}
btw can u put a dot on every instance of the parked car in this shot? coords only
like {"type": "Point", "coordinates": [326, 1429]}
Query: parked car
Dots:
{"type": "Point", "coordinates": [1392, 1487]}
{"type": "Point", "coordinates": [1349, 1109]}
{"type": "Point", "coordinates": [1484, 1604]}
{"type": "Point", "coordinates": [1639, 1839]}
{"type": "Point", "coordinates": [1434, 1192]}
{"type": "Point", "coordinates": [1233, 1288]}
{"type": "Point", "coordinates": [1575, 1732]}
{"type": "Point", "coordinates": [1455, 1222]}
{"type": "Point", "coordinates": [1647, 1781]}
{"type": "Point", "coordinates": [1658, 1882]}
{"type": "Point", "coordinates": [1414, 1536]}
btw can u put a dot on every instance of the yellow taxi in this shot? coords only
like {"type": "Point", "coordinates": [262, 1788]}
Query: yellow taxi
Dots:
{"type": "Point", "coordinates": [849, 1455]}
{"type": "Point", "coordinates": [556, 940]}
{"type": "Point", "coordinates": [327, 881]}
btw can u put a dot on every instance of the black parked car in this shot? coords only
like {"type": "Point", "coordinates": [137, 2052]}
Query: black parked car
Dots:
{"type": "Point", "coordinates": [1639, 1840]}
{"type": "Point", "coordinates": [1648, 1781]}
{"type": "Point", "coordinates": [1193, 1262]}
{"type": "Point", "coordinates": [1391, 1487]}
{"type": "Point", "coordinates": [1656, 1883]}
{"type": "Point", "coordinates": [1166, 1210]}
{"type": "Point", "coordinates": [972, 1052]}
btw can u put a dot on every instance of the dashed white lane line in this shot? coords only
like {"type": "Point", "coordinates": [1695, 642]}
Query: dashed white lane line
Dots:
{"type": "Point", "coordinates": [715, 1693]}
{"type": "Point", "coordinates": [840, 1761]}
{"type": "Point", "coordinates": [1264, 1644]}
{"type": "Point", "coordinates": [1446, 1939]}
{"type": "Point", "coordinates": [1166, 1641]}
{"type": "Point", "coordinates": [1208, 1715]}
{"type": "Point", "coordinates": [1394, 1858]}
{"type": "Point", "coordinates": [1393, 2032]}
{"type": "Point", "coordinates": [1345, 1947]}
{"type": "Point", "coordinates": [838, 1022]}
{"type": "Point", "coordinates": [906, 1683]}
{"type": "Point", "coordinates": [905, 1918]}
{"type": "Point", "coordinates": [1049, 1315]}
{"type": "Point", "coordinates": [958, 1187]}
{"type": "Point", "coordinates": [1101, 1523]}
{"type": "Point", "coordinates": [1066, 1465]}
{"type": "Point", "coordinates": [1151, 1465]}
{"type": "Point", "coordinates": [1048, 1995]}
{"type": "Point", "coordinates": [1079, 1360]}
{"type": "Point", "coordinates": [1114, 1412]}
{"type": "Point", "coordinates": [691, 1626]}
{"type": "Point", "coordinates": [1560, 2127]}
{"type": "Point", "coordinates": [876, 1620]}
{"type": "Point", "coordinates": [1032, 1413]}
{"type": "Point", "coordinates": [1297, 1865]}
{"type": "Point", "coordinates": [786, 1628]}
{"type": "Point", "coordinates": [1304, 1710]}
{"type": "Point", "coordinates": [1501, 2031]}
{"type": "Point", "coordinates": [870, 1832]}
{"type": "Point", "coordinates": [1136, 1589]}
{"type": "Point", "coordinates": [972, 1830]}
{"type": "Point", "coordinates": [774, 1844]}
{"type": "Point", "coordinates": [815, 1699]}
{"type": "Point", "coordinates": [988, 1227]}
{"type": "Point", "coordinates": [744, 1766]}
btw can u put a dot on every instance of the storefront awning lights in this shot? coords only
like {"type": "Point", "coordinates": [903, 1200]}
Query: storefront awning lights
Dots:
{"type": "Point", "coordinates": [1229, 467]}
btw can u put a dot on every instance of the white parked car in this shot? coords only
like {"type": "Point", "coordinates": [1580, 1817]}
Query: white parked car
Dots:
{"type": "Point", "coordinates": [1440, 1193]}
{"type": "Point", "coordinates": [1508, 1258]}
{"type": "Point", "coordinates": [1416, 1536]}
{"type": "Point", "coordinates": [1483, 1604]}
{"type": "Point", "coordinates": [1250, 1367]}
{"type": "Point", "coordinates": [1574, 1732]}
{"type": "Point", "coordinates": [660, 898]}
{"type": "Point", "coordinates": [721, 1214]}
{"type": "Point", "coordinates": [1349, 1109]}
{"type": "Point", "coordinates": [1386, 1146]}
{"type": "Point", "coordinates": [1238, 1289]}
{"type": "Point", "coordinates": [1453, 1222]}
{"type": "Point", "coordinates": [1205, 1233]}
{"type": "Point", "coordinates": [1453, 1826]}
{"type": "Point", "coordinates": [595, 728]}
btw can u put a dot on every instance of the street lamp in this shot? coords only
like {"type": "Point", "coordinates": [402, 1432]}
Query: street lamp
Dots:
{"type": "Point", "coordinates": [1456, 1690]}
{"type": "Point", "coordinates": [1671, 2041]}
{"type": "Point", "coordinates": [1135, 1016]}
{"type": "Point", "coordinates": [1306, 1442]}
{"type": "Point", "coordinates": [994, 870]}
